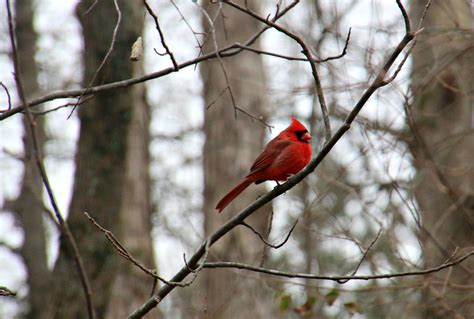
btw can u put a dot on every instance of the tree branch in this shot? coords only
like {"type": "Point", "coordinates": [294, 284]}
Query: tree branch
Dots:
{"type": "Point", "coordinates": [151, 272]}
{"type": "Point", "coordinates": [106, 57]}
{"type": "Point", "coordinates": [162, 37]}
{"type": "Point", "coordinates": [305, 51]}
{"type": "Point", "coordinates": [293, 181]}
{"type": "Point", "coordinates": [5, 292]}
{"type": "Point", "coordinates": [338, 279]}
{"type": "Point", "coordinates": [366, 252]}
{"type": "Point", "coordinates": [294, 58]}
{"type": "Point", "coordinates": [263, 238]}
{"type": "Point", "coordinates": [39, 162]}
{"type": "Point", "coordinates": [228, 51]}
{"type": "Point", "coordinates": [9, 99]}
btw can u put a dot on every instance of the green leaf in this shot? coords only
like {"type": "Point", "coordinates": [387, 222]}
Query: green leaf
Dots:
{"type": "Point", "coordinates": [332, 296]}
{"type": "Point", "coordinates": [285, 302]}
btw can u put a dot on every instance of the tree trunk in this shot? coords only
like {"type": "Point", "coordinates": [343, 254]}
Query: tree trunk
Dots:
{"type": "Point", "coordinates": [108, 171]}
{"type": "Point", "coordinates": [135, 214]}
{"type": "Point", "coordinates": [233, 141]}
{"type": "Point", "coordinates": [442, 81]}
{"type": "Point", "coordinates": [28, 206]}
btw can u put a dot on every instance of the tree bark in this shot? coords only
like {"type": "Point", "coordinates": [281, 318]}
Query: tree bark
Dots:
{"type": "Point", "coordinates": [111, 151]}
{"type": "Point", "coordinates": [442, 81]}
{"type": "Point", "coordinates": [28, 206]}
{"type": "Point", "coordinates": [233, 141]}
{"type": "Point", "coordinates": [135, 213]}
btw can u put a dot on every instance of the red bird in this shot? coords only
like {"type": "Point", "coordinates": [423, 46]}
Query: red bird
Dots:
{"type": "Point", "coordinates": [285, 155]}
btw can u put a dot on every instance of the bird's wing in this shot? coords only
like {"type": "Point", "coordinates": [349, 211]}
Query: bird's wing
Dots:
{"type": "Point", "coordinates": [269, 154]}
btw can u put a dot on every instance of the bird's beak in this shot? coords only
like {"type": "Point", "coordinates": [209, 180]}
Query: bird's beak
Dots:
{"type": "Point", "coordinates": [306, 137]}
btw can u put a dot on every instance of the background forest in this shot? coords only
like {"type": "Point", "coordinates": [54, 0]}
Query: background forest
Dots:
{"type": "Point", "coordinates": [122, 123]}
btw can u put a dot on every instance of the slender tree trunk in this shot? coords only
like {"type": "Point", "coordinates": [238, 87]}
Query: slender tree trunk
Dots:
{"type": "Point", "coordinates": [28, 206]}
{"type": "Point", "coordinates": [106, 182]}
{"type": "Point", "coordinates": [233, 140]}
{"type": "Point", "coordinates": [443, 115]}
{"type": "Point", "coordinates": [135, 214]}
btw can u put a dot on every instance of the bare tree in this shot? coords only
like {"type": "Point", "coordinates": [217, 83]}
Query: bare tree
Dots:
{"type": "Point", "coordinates": [235, 101]}
{"type": "Point", "coordinates": [234, 278]}
{"type": "Point", "coordinates": [28, 206]}
{"type": "Point", "coordinates": [442, 144]}
{"type": "Point", "coordinates": [111, 180]}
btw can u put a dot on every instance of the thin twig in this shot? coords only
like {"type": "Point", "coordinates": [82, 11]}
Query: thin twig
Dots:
{"type": "Point", "coordinates": [276, 55]}
{"type": "Point", "coordinates": [339, 279]}
{"type": "Point", "coordinates": [208, 106]}
{"type": "Point", "coordinates": [293, 181]}
{"type": "Point", "coordinates": [5, 292]}
{"type": "Point", "coordinates": [128, 256]}
{"type": "Point", "coordinates": [401, 64]}
{"type": "Point", "coordinates": [408, 30]}
{"type": "Point", "coordinates": [227, 51]}
{"type": "Point", "coordinates": [294, 58]}
{"type": "Point", "coordinates": [221, 63]}
{"type": "Point", "coordinates": [188, 24]}
{"type": "Point", "coordinates": [162, 37]}
{"type": "Point", "coordinates": [106, 57]}
{"type": "Point", "coordinates": [343, 53]}
{"type": "Point", "coordinates": [8, 97]}
{"type": "Point", "coordinates": [83, 100]}
{"type": "Point", "coordinates": [263, 238]}
{"type": "Point", "coordinates": [306, 52]}
{"type": "Point", "coordinates": [366, 252]}
{"type": "Point", "coordinates": [91, 7]}
{"type": "Point", "coordinates": [153, 287]}
{"type": "Point", "coordinates": [406, 19]}
{"type": "Point", "coordinates": [39, 162]}
{"type": "Point", "coordinates": [267, 235]}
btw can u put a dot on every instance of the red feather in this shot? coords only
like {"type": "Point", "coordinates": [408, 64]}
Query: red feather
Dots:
{"type": "Point", "coordinates": [285, 155]}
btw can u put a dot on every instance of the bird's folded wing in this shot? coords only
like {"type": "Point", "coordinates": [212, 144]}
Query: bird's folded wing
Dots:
{"type": "Point", "coordinates": [269, 154]}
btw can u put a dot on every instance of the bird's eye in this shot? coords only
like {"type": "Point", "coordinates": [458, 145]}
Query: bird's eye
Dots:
{"type": "Point", "coordinates": [299, 134]}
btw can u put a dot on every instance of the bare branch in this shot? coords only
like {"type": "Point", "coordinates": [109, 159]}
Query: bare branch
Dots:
{"type": "Point", "coordinates": [293, 58]}
{"type": "Point", "coordinates": [343, 53]}
{"type": "Point", "coordinates": [405, 16]}
{"type": "Point", "coordinates": [162, 37]}
{"type": "Point", "coordinates": [276, 55]}
{"type": "Point", "coordinates": [293, 181]}
{"type": "Point", "coordinates": [8, 97]}
{"type": "Point", "coordinates": [267, 234]}
{"type": "Point", "coordinates": [408, 30]}
{"type": "Point", "coordinates": [83, 100]}
{"type": "Point", "coordinates": [221, 63]}
{"type": "Point", "coordinates": [339, 279]}
{"type": "Point", "coordinates": [106, 57]}
{"type": "Point", "coordinates": [263, 238]}
{"type": "Point", "coordinates": [5, 292]}
{"type": "Point", "coordinates": [423, 15]}
{"type": "Point", "coordinates": [91, 7]}
{"type": "Point", "coordinates": [151, 272]}
{"type": "Point", "coordinates": [305, 51]}
{"type": "Point", "coordinates": [187, 23]}
{"type": "Point", "coordinates": [39, 162]}
{"type": "Point", "coordinates": [227, 51]}
{"type": "Point", "coordinates": [343, 281]}
{"type": "Point", "coordinates": [11, 248]}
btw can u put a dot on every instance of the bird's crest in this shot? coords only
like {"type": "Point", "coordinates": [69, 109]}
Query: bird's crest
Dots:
{"type": "Point", "coordinates": [296, 125]}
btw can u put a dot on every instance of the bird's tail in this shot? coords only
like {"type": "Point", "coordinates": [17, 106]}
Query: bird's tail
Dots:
{"type": "Point", "coordinates": [232, 194]}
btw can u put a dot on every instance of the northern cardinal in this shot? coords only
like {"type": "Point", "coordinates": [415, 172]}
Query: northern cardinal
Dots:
{"type": "Point", "coordinates": [285, 155]}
